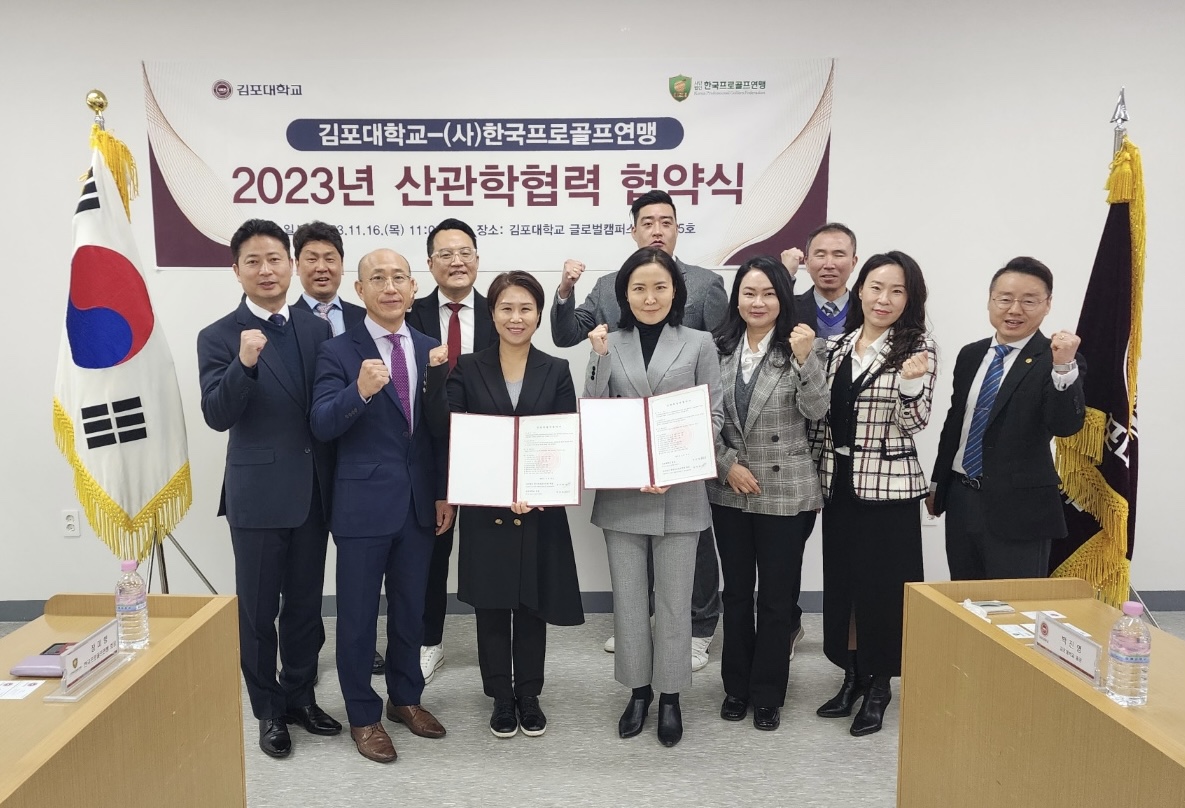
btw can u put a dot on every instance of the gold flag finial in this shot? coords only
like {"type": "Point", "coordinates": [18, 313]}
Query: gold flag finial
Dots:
{"type": "Point", "coordinates": [97, 101]}
{"type": "Point", "coordinates": [115, 153]}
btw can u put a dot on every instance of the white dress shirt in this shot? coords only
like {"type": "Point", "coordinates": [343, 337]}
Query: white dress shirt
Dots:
{"type": "Point", "coordinates": [264, 314]}
{"type": "Point", "coordinates": [751, 360]}
{"type": "Point", "coordinates": [466, 316]}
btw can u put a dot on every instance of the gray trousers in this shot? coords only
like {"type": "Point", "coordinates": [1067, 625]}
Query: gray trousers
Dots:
{"type": "Point", "coordinates": [705, 590]}
{"type": "Point", "coordinates": [662, 657]}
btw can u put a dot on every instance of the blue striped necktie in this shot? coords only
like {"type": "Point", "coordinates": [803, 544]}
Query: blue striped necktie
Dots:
{"type": "Point", "coordinates": [973, 453]}
{"type": "Point", "coordinates": [830, 309]}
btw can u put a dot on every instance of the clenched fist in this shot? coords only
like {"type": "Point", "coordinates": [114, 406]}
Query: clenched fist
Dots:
{"type": "Point", "coordinates": [1065, 346]}
{"type": "Point", "coordinates": [915, 366]}
{"type": "Point", "coordinates": [599, 338]}
{"type": "Point", "coordinates": [792, 259]}
{"type": "Point", "coordinates": [573, 269]}
{"type": "Point", "coordinates": [802, 340]}
{"type": "Point", "coordinates": [251, 342]}
{"type": "Point", "coordinates": [437, 356]}
{"type": "Point", "coordinates": [372, 377]}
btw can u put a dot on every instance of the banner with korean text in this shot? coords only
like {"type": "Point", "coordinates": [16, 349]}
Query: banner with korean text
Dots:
{"type": "Point", "coordinates": [535, 155]}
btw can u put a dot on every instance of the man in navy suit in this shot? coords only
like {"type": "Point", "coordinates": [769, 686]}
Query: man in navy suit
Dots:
{"type": "Point", "coordinates": [459, 317]}
{"type": "Point", "coordinates": [390, 483]}
{"type": "Point", "coordinates": [830, 258]}
{"type": "Point", "coordinates": [1013, 392]}
{"type": "Point", "coordinates": [256, 367]}
{"type": "Point", "coordinates": [319, 257]}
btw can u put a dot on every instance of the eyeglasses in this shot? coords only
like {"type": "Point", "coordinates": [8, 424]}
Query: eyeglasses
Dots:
{"type": "Point", "coordinates": [1027, 303]}
{"type": "Point", "coordinates": [466, 254]}
{"type": "Point", "coordinates": [379, 282]}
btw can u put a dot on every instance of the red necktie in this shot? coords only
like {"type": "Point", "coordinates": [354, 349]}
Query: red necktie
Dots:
{"type": "Point", "coordinates": [454, 334]}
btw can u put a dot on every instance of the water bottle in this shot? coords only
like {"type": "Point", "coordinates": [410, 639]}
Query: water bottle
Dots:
{"type": "Point", "coordinates": [1129, 652]}
{"type": "Point", "coordinates": [131, 608]}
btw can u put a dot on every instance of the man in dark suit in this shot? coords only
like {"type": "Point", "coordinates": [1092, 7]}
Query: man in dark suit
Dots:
{"type": "Point", "coordinates": [256, 368]}
{"type": "Point", "coordinates": [389, 484]}
{"type": "Point", "coordinates": [1013, 393]}
{"type": "Point", "coordinates": [655, 225]}
{"type": "Point", "coordinates": [319, 257]}
{"type": "Point", "coordinates": [830, 258]}
{"type": "Point", "coordinates": [458, 317]}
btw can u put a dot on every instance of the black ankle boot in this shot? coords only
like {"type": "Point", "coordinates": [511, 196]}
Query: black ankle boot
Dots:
{"type": "Point", "coordinates": [872, 711]}
{"type": "Point", "coordinates": [854, 686]}
{"type": "Point", "coordinates": [634, 717]}
{"type": "Point", "coordinates": [670, 719]}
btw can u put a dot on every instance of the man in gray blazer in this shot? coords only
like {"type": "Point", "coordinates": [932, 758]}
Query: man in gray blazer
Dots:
{"type": "Point", "coordinates": [654, 225]}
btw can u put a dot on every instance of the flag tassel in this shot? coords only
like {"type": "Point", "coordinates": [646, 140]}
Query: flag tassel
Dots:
{"type": "Point", "coordinates": [121, 163]}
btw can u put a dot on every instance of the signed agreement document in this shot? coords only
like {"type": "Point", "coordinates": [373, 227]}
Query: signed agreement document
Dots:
{"type": "Point", "coordinates": [635, 442]}
{"type": "Point", "coordinates": [496, 460]}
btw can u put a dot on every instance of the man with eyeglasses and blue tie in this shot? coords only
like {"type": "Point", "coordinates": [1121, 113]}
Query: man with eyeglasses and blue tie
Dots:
{"type": "Point", "coordinates": [459, 317]}
{"type": "Point", "coordinates": [1013, 392]}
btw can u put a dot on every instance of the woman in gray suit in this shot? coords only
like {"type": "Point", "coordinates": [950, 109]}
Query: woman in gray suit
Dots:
{"type": "Point", "coordinates": [881, 376]}
{"type": "Point", "coordinates": [763, 504]}
{"type": "Point", "coordinates": [651, 354]}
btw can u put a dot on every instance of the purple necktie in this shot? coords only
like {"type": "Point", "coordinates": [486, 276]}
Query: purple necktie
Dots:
{"type": "Point", "coordinates": [399, 374]}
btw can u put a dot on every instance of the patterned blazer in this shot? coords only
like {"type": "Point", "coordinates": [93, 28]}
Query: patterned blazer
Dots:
{"type": "Point", "coordinates": [771, 443]}
{"type": "Point", "coordinates": [682, 358]}
{"type": "Point", "coordinates": [885, 463]}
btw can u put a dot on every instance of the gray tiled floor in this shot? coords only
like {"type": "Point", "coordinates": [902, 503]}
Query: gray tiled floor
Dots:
{"type": "Point", "coordinates": [580, 761]}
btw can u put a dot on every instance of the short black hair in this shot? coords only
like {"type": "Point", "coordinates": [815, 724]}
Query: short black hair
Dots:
{"type": "Point", "coordinates": [831, 227]}
{"type": "Point", "coordinates": [642, 257]}
{"type": "Point", "coordinates": [317, 231]}
{"type": "Point", "coordinates": [258, 227]}
{"type": "Point", "coordinates": [450, 224]}
{"type": "Point", "coordinates": [515, 278]}
{"type": "Point", "coordinates": [651, 198]}
{"type": "Point", "coordinates": [1026, 266]}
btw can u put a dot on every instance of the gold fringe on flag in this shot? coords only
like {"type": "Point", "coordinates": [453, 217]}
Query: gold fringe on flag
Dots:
{"type": "Point", "coordinates": [123, 166]}
{"type": "Point", "coordinates": [1126, 184]}
{"type": "Point", "coordinates": [128, 537]}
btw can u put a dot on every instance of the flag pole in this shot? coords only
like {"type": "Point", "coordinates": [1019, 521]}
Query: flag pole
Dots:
{"type": "Point", "coordinates": [1119, 118]}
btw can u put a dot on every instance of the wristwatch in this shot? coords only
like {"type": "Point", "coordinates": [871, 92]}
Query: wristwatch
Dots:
{"type": "Point", "coordinates": [1067, 367]}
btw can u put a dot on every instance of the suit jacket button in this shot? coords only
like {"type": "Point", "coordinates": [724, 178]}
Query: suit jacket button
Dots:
{"type": "Point", "coordinates": [307, 450]}
{"type": "Point", "coordinates": [518, 522]}
{"type": "Point", "coordinates": [774, 438]}
{"type": "Point", "coordinates": [776, 469]}
{"type": "Point", "coordinates": [497, 521]}
{"type": "Point", "coordinates": [405, 434]}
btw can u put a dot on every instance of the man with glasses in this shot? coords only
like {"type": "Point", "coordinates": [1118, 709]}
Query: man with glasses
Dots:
{"type": "Point", "coordinates": [319, 256]}
{"type": "Point", "coordinates": [1013, 392]}
{"type": "Point", "coordinates": [389, 495]}
{"type": "Point", "coordinates": [458, 317]}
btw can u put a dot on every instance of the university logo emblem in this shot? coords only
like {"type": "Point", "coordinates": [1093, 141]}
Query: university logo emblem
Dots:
{"type": "Point", "coordinates": [680, 87]}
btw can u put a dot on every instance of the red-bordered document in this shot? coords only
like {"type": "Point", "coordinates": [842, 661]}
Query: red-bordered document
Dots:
{"type": "Point", "coordinates": [496, 460]}
{"type": "Point", "coordinates": [635, 442]}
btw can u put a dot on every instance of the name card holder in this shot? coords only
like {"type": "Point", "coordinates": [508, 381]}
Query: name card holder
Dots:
{"type": "Point", "coordinates": [90, 662]}
{"type": "Point", "coordinates": [1071, 649]}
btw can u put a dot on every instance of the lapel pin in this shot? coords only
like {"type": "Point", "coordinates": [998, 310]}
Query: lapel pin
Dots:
{"type": "Point", "coordinates": [1029, 361]}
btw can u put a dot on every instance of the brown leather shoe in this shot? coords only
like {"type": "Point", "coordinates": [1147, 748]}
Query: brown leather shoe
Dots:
{"type": "Point", "coordinates": [373, 742]}
{"type": "Point", "coordinates": [418, 720]}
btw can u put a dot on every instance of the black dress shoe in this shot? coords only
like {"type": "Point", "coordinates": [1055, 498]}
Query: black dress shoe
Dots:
{"type": "Point", "coordinates": [378, 667]}
{"type": "Point", "coordinates": [634, 717]}
{"type": "Point", "coordinates": [767, 718]}
{"type": "Point", "coordinates": [854, 686]}
{"type": "Point", "coordinates": [872, 711]}
{"type": "Point", "coordinates": [313, 719]}
{"type": "Point", "coordinates": [274, 739]}
{"type": "Point", "coordinates": [670, 724]}
{"type": "Point", "coordinates": [734, 709]}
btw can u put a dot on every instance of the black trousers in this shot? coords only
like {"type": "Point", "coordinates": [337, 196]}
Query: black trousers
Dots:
{"type": "Point", "coordinates": [974, 553]}
{"type": "Point", "coordinates": [511, 658]}
{"type": "Point", "coordinates": [270, 564]}
{"type": "Point", "coordinates": [755, 664]}
{"type": "Point", "coordinates": [436, 599]}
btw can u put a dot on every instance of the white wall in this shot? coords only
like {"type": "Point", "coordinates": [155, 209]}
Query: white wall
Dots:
{"type": "Point", "coordinates": [962, 136]}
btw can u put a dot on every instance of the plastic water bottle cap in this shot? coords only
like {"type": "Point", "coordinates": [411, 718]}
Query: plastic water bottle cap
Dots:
{"type": "Point", "coordinates": [1133, 608]}
{"type": "Point", "coordinates": [130, 566]}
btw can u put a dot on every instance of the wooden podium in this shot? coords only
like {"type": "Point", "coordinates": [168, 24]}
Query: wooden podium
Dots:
{"type": "Point", "coordinates": [166, 729]}
{"type": "Point", "coordinates": [988, 720]}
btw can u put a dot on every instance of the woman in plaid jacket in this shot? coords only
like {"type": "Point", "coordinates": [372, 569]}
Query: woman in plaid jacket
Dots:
{"type": "Point", "coordinates": [767, 491]}
{"type": "Point", "coordinates": [881, 376]}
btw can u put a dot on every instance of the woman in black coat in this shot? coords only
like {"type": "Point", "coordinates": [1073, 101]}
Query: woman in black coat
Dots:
{"type": "Point", "coordinates": [517, 568]}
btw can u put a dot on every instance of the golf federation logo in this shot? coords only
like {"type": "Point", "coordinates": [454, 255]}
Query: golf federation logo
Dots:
{"type": "Point", "coordinates": [680, 87]}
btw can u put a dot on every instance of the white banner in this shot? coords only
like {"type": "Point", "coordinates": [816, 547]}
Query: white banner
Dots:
{"type": "Point", "coordinates": [534, 155]}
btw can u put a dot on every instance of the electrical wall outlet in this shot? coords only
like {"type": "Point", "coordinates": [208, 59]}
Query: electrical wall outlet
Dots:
{"type": "Point", "coordinates": [71, 526]}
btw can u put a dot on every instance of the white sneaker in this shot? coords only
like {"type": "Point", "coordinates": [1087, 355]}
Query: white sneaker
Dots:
{"type": "Point", "coordinates": [699, 652]}
{"type": "Point", "coordinates": [797, 638]}
{"type": "Point", "coordinates": [610, 645]}
{"type": "Point", "coordinates": [431, 658]}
